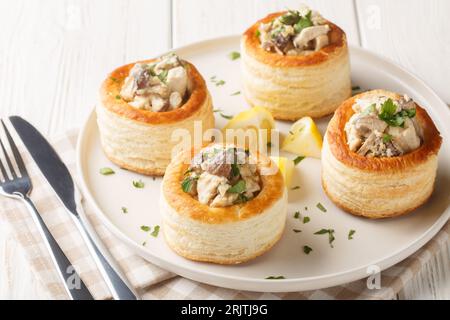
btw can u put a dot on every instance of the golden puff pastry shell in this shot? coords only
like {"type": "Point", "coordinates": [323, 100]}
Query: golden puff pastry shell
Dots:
{"type": "Point", "coordinates": [291, 87]}
{"type": "Point", "coordinates": [378, 187]}
{"type": "Point", "coordinates": [227, 235]}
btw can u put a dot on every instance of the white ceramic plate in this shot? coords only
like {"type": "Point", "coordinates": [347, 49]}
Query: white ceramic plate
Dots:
{"type": "Point", "coordinates": [381, 243]}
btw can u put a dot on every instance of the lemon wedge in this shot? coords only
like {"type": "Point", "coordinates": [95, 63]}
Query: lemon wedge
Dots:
{"type": "Point", "coordinates": [286, 167]}
{"type": "Point", "coordinates": [255, 119]}
{"type": "Point", "coordinates": [304, 139]}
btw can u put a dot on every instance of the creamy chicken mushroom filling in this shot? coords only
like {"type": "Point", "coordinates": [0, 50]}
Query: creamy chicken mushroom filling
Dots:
{"type": "Point", "coordinates": [159, 86]}
{"type": "Point", "coordinates": [299, 32]}
{"type": "Point", "coordinates": [383, 127]}
{"type": "Point", "coordinates": [222, 176]}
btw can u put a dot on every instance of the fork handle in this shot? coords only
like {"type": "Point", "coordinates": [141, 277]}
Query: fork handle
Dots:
{"type": "Point", "coordinates": [73, 284]}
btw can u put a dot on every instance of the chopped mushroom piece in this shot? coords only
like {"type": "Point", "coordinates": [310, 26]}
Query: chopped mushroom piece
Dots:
{"type": "Point", "coordinates": [222, 176]}
{"type": "Point", "coordinates": [306, 35]}
{"type": "Point", "coordinates": [158, 87]}
{"type": "Point", "coordinates": [299, 32]}
{"type": "Point", "coordinates": [382, 127]}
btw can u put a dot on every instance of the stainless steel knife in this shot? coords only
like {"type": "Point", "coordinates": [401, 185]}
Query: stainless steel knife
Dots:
{"type": "Point", "coordinates": [58, 176]}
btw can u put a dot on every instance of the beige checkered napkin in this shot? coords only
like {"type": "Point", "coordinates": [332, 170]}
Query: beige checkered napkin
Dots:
{"type": "Point", "coordinates": [140, 273]}
{"type": "Point", "coordinates": [151, 281]}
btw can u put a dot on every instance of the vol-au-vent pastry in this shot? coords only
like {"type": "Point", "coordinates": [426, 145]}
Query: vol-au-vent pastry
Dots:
{"type": "Point", "coordinates": [141, 104]}
{"type": "Point", "coordinates": [380, 155]}
{"type": "Point", "coordinates": [220, 205]}
{"type": "Point", "coordinates": [295, 64]}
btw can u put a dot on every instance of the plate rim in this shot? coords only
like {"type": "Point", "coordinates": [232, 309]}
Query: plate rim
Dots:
{"type": "Point", "coordinates": [263, 285]}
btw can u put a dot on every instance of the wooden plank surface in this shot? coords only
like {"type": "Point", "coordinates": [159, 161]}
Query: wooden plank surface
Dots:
{"type": "Point", "coordinates": [54, 54]}
{"type": "Point", "coordinates": [414, 33]}
{"type": "Point", "coordinates": [202, 19]}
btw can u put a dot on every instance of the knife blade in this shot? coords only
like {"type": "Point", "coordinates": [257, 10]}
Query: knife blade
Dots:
{"type": "Point", "coordinates": [59, 178]}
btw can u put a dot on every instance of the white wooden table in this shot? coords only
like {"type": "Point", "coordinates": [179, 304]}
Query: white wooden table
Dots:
{"type": "Point", "coordinates": [54, 54]}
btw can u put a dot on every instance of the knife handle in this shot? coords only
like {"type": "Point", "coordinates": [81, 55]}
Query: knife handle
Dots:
{"type": "Point", "coordinates": [74, 285]}
{"type": "Point", "coordinates": [119, 289]}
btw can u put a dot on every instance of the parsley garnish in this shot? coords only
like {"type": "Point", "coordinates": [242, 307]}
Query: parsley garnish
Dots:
{"type": "Point", "coordinates": [235, 172]}
{"type": "Point", "coordinates": [118, 97]}
{"type": "Point", "coordinates": [330, 233]}
{"type": "Point", "coordinates": [275, 277]}
{"type": "Point", "coordinates": [226, 116]}
{"type": "Point", "coordinates": [395, 119]}
{"type": "Point", "coordinates": [163, 76]}
{"type": "Point", "coordinates": [124, 210]}
{"type": "Point", "coordinates": [386, 137]}
{"type": "Point", "coordinates": [217, 110]}
{"type": "Point", "coordinates": [298, 160]}
{"type": "Point", "coordinates": [306, 219]}
{"type": "Point", "coordinates": [257, 33]}
{"type": "Point", "coordinates": [307, 249]}
{"type": "Point", "coordinates": [234, 55]}
{"type": "Point", "coordinates": [186, 185]}
{"type": "Point", "coordinates": [220, 83]}
{"type": "Point", "coordinates": [303, 23]}
{"type": "Point", "coordinates": [297, 215]}
{"type": "Point", "coordinates": [106, 171]}
{"type": "Point", "coordinates": [139, 184]}
{"type": "Point", "coordinates": [321, 207]}
{"type": "Point", "coordinates": [350, 234]}
{"type": "Point", "coordinates": [113, 79]}
{"type": "Point", "coordinates": [295, 188]}
{"type": "Point", "coordinates": [296, 230]}
{"type": "Point", "coordinates": [145, 228]}
{"type": "Point", "coordinates": [155, 231]}
{"type": "Point", "coordinates": [290, 18]}
{"type": "Point", "coordinates": [236, 93]}
{"type": "Point", "coordinates": [238, 187]}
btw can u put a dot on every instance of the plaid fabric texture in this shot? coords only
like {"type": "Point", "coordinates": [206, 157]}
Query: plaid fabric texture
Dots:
{"type": "Point", "coordinates": [149, 280]}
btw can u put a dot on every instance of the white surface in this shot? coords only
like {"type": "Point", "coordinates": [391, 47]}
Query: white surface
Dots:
{"type": "Point", "coordinates": [54, 53]}
{"type": "Point", "coordinates": [390, 241]}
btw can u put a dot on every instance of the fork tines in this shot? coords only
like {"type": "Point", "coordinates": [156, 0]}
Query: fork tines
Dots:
{"type": "Point", "coordinates": [7, 167]}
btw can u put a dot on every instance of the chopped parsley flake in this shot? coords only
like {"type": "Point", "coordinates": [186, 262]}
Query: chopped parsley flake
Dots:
{"type": "Point", "coordinates": [124, 210]}
{"type": "Point", "coordinates": [321, 207]}
{"type": "Point", "coordinates": [236, 93]}
{"type": "Point", "coordinates": [275, 278]}
{"type": "Point", "coordinates": [295, 188]}
{"type": "Point", "coordinates": [220, 83]}
{"type": "Point", "coordinates": [118, 97]}
{"type": "Point", "coordinates": [239, 187]}
{"type": "Point", "coordinates": [228, 117]}
{"type": "Point", "coordinates": [187, 183]}
{"type": "Point", "coordinates": [386, 137]}
{"type": "Point", "coordinates": [307, 249]}
{"type": "Point", "coordinates": [298, 160]}
{"type": "Point", "coordinates": [296, 230]}
{"type": "Point", "coordinates": [234, 55]}
{"type": "Point", "coordinates": [139, 184]}
{"type": "Point", "coordinates": [106, 171]}
{"type": "Point", "coordinates": [155, 231]}
{"type": "Point", "coordinates": [145, 228]}
{"type": "Point", "coordinates": [306, 219]}
{"type": "Point", "coordinates": [330, 233]}
{"type": "Point", "coordinates": [297, 214]}
{"type": "Point", "coordinates": [350, 234]}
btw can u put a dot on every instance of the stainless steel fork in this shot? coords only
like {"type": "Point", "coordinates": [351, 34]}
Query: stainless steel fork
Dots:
{"type": "Point", "coordinates": [18, 185]}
